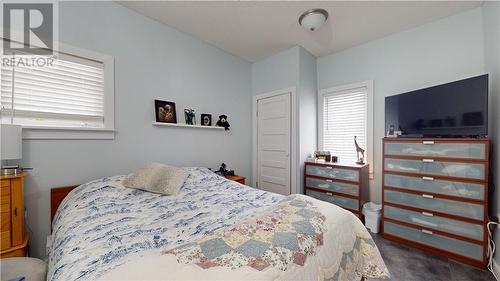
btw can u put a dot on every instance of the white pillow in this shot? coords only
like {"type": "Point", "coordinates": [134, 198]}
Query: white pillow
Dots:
{"type": "Point", "coordinates": [157, 178]}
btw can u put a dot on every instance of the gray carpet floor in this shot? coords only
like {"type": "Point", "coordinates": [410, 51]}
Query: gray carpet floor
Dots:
{"type": "Point", "coordinates": [409, 264]}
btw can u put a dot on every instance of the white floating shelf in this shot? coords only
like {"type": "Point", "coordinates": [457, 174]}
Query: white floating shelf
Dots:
{"type": "Point", "coordinates": [186, 126]}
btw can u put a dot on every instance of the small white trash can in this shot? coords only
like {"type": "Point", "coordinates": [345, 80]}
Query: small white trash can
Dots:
{"type": "Point", "coordinates": [372, 216]}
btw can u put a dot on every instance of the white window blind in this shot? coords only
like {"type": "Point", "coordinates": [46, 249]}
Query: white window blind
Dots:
{"type": "Point", "coordinates": [70, 93]}
{"type": "Point", "coordinates": [345, 116]}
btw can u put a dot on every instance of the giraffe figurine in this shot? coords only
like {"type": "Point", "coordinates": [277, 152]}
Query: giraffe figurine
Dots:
{"type": "Point", "coordinates": [358, 151]}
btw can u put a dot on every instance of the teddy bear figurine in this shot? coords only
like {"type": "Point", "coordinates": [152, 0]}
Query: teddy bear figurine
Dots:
{"type": "Point", "coordinates": [223, 122]}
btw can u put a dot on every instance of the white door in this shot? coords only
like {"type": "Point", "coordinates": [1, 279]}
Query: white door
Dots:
{"type": "Point", "coordinates": [273, 144]}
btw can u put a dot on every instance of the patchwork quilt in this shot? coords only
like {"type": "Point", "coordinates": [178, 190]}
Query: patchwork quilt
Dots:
{"type": "Point", "coordinates": [214, 229]}
{"type": "Point", "coordinates": [284, 235]}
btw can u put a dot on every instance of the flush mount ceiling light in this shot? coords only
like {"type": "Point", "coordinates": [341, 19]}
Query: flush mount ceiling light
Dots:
{"type": "Point", "coordinates": [313, 18]}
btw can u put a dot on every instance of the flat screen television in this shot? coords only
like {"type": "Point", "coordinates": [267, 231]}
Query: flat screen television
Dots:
{"type": "Point", "coordinates": [456, 109]}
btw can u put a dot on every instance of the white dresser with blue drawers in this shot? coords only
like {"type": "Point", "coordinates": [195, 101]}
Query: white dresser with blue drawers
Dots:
{"type": "Point", "coordinates": [345, 185]}
{"type": "Point", "coordinates": [435, 195]}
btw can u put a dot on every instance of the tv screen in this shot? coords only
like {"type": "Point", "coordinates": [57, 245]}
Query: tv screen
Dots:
{"type": "Point", "coordinates": [456, 109]}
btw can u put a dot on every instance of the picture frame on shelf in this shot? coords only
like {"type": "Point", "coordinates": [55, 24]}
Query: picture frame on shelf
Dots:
{"type": "Point", "coordinates": [165, 111]}
{"type": "Point", "coordinates": [206, 119]}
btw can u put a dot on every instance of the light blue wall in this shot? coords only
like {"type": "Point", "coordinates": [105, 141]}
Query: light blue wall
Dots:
{"type": "Point", "coordinates": [276, 72]}
{"type": "Point", "coordinates": [491, 23]}
{"type": "Point", "coordinates": [431, 54]}
{"type": "Point", "coordinates": [307, 102]}
{"type": "Point", "coordinates": [151, 61]}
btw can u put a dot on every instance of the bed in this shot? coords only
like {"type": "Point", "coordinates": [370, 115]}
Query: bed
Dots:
{"type": "Point", "coordinates": [213, 229]}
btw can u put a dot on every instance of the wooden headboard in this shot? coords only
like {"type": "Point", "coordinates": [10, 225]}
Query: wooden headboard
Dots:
{"type": "Point", "coordinates": [57, 195]}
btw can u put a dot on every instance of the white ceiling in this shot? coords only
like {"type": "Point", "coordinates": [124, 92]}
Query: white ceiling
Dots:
{"type": "Point", "coordinates": [254, 30]}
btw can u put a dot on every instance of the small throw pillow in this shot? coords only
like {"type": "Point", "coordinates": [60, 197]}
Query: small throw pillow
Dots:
{"type": "Point", "coordinates": [157, 178]}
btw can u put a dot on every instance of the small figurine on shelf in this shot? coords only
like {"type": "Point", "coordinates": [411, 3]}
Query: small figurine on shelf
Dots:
{"type": "Point", "coordinates": [190, 116]}
{"type": "Point", "coordinates": [223, 122]}
{"type": "Point", "coordinates": [361, 160]}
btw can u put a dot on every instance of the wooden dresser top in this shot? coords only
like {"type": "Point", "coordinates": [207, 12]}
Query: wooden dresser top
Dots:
{"type": "Point", "coordinates": [14, 176]}
{"type": "Point", "coordinates": [338, 164]}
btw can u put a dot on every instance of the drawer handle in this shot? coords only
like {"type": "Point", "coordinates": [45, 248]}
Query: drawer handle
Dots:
{"type": "Point", "coordinates": [427, 214]}
{"type": "Point", "coordinates": [428, 142]}
{"type": "Point", "coordinates": [427, 196]}
{"type": "Point", "coordinates": [428, 160]}
{"type": "Point", "coordinates": [329, 194]}
{"type": "Point", "coordinates": [428, 178]}
{"type": "Point", "coordinates": [329, 180]}
{"type": "Point", "coordinates": [328, 167]}
{"type": "Point", "coordinates": [15, 212]}
{"type": "Point", "coordinates": [427, 231]}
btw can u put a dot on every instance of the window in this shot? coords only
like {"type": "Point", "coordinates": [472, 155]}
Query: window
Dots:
{"type": "Point", "coordinates": [74, 93]}
{"type": "Point", "coordinates": [345, 112]}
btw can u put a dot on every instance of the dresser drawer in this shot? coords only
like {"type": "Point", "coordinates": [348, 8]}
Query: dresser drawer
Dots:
{"type": "Point", "coordinates": [344, 202]}
{"type": "Point", "coordinates": [438, 168]}
{"type": "Point", "coordinates": [468, 210]}
{"type": "Point", "coordinates": [5, 207]}
{"type": "Point", "coordinates": [459, 247]}
{"type": "Point", "coordinates": [427, 219]}
{"type": "Point", "coordinates": [469, 150]}
{"type": "Point", "coordinates": [330, 185]}
{"type": "Point", "coordinates": [5, 198]}
{"type": "Point", "coordinates": [5, 221]}
{"type": "Point", "coordinates": [5, 240]}
{"type": "Point", "coordinates": [333, 172]}
{"type": "Point", "coordinates": [4, 183]}
{"type": "Point", "coordinates": [5, 190]}
{"type": "Point", "coordinates": [429, 184]}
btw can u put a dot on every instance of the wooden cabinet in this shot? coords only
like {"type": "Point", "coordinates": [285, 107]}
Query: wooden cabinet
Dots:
{"type": "Point", "coordinates": [435, 195]}
{"type": "Point", "coordinates": [341, 184]}
{"type": "Point", "coordinates": [14, 239]}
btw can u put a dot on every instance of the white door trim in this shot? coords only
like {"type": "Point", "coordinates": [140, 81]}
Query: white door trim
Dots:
{"type": "Point", "coordinates": [293, 135]}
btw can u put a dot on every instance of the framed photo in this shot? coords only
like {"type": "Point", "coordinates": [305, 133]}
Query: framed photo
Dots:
{"type": "Point", "coordinates": [190, 116]}
{"type": "Point", "coordinates": [165, 111]}
{"type": "Point", "coordinates": [206, 119]}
